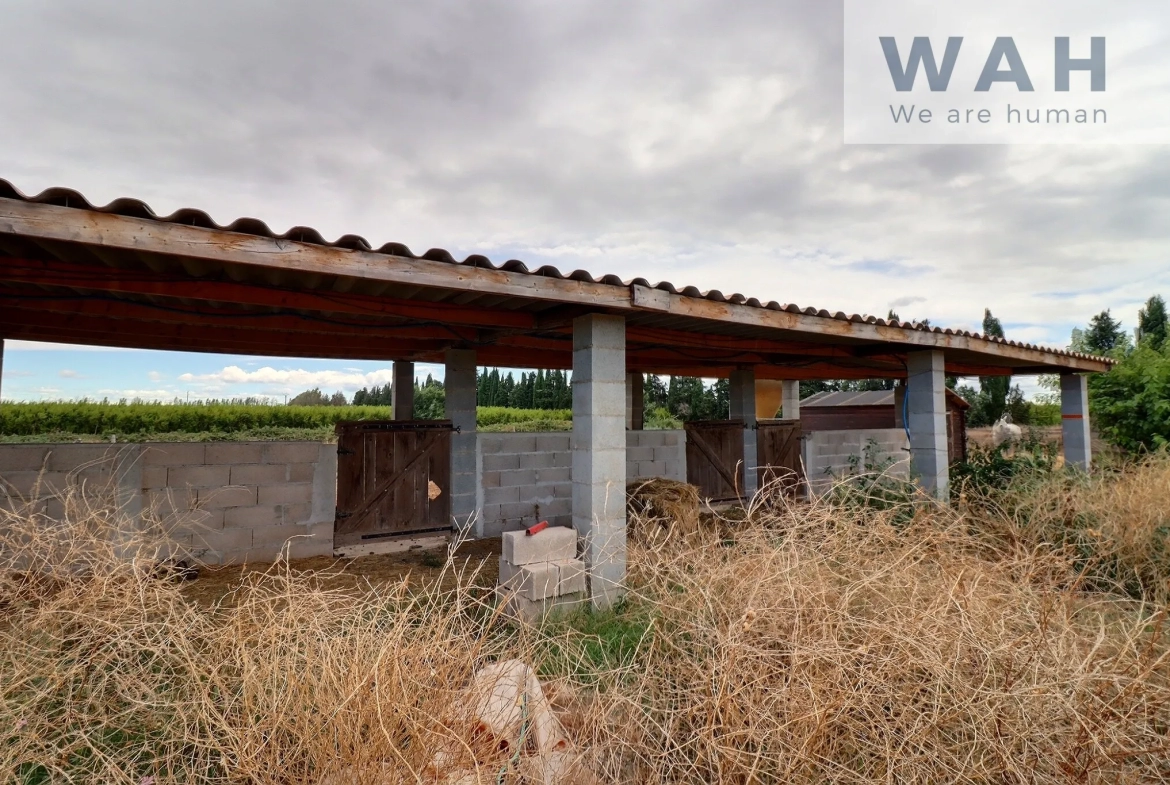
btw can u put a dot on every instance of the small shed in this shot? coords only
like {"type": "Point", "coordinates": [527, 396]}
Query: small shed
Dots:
{"type": "Point", "coordinates": [870, 409]}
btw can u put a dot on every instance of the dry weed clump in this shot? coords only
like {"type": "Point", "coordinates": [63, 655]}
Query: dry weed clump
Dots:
{"type": "Point", "coordinates": [818, 644]}
{"type": "Point", "coordinates": [828, 645]}
{"type": "Point", "coordinates": [1114, 523]}
{"type": "Point", "coordinates": [107, 674]}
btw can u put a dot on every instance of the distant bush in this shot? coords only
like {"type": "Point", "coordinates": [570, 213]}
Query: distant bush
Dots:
{"type": "Point", "coordinates": [989, 468]}
{"type": "Point", "coordinates": [315, 397]}
{"type": "Point", "coordinates": [488, 416]}
{"type": "Point", "coordinates": [93, 418]}
{"type": "Point", "coordinates": [660, 419]}
{"type": "Point", "coordinates": [1040, 414]}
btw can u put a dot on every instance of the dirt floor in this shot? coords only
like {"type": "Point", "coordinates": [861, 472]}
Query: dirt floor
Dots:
{"type": "Point", "coordinates": [217, 583]}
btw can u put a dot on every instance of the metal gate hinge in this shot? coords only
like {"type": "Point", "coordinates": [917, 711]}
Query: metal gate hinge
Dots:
{"type": "Point", "coordinates": [341, 514]}
{"type": "Point", "coordinates": [344, 451]}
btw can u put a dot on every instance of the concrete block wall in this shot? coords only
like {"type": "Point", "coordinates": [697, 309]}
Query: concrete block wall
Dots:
{"type": "Point", "coordinates": [827, 454]}
{"type": "Point", "coordinates": [36, 474]}
{"type": "Point", "coordinates": [527, 477]}
{"type": "Point", "coordinates": [656, 454]}
{"type": "Point", "coordinates": [227, 502]}
{"type": "Point", "coordinates": [244, 501]}
{"type": "Point", "coordinates": [231, 502]}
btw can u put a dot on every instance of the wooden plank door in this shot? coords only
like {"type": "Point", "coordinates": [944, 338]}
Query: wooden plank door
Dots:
{"type": "Point", "coordinates": [715, 458]}
{"type": "Point", "coordinates": [393, 479]}
{"type": "Point", "coordinates": [778, 454]}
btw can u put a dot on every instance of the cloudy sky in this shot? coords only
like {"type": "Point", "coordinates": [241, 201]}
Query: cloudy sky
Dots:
{"type": "Point", "coordinates": [698, 142]}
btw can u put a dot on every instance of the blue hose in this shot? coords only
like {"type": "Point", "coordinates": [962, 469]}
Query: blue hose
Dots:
{"type": "Point", "coordinates": [906, 410]}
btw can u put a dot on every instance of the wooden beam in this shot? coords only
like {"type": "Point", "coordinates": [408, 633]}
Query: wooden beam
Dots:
{"type": "Point", "coordinates": [900, 338]}
{"type": "Point", "coordinates": [659, 337]}
{"type": "Point", "coordinates": [51, 222]}
{"type": "Point", "coordinates": [145, 282]}
{"type": "Point", "coordinates": [119, 310]}
{"type": "Point", "coordinates": [97, 331]}
{"type": "Point", "coordinates": [54, 223]}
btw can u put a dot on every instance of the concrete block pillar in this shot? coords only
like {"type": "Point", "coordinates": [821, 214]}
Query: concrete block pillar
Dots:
{"type": "Point", "coordinates": [790, 405]}
{"type": "Point", "coordinates": [743, 406]}
{"type": "Point", "coordinates": [926, 413]}
{"type": "Point", "coordinates": [635, 401]}
{"type": "Point", "coordinates": [459, 389]}
{"type": "Point", "coordinates": [1074, 420]}
{"type": "Point", "coordinates": [402, 391]}
{"type": "Point", "coordinates": [599, 451]}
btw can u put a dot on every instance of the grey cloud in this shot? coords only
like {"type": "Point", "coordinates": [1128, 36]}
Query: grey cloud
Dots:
{"type": "Point", "coordinates": [696, 138]}
{"type": "Point", "coordinates": [903, 301]}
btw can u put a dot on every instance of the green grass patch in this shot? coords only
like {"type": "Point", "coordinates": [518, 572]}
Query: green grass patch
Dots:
{"type": "Point", "coordinates": [586, 644]}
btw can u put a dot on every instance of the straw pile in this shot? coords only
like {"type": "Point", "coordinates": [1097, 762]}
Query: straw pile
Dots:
{"type": "Point", "coordinates": [658, 509]}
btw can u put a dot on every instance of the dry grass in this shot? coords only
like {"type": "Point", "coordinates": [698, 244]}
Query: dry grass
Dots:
{"type": "Point", "coordinates": [822, 645]}
{"type": "Point", "coordinates": [662, 509]}
{"type": "Point", "coordinates": [1114, 524]}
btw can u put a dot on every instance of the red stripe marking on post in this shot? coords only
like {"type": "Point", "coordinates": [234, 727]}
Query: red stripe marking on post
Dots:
{"type": "Point", "coordinates": [1072, 416]}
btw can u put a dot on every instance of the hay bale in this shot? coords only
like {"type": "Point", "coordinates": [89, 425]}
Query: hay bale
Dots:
{"type": "Point", "coordinates": [658, 508]}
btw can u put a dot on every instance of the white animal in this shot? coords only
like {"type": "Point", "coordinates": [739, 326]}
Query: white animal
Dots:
{"type": "Point", "coordinates": [1005, 431]}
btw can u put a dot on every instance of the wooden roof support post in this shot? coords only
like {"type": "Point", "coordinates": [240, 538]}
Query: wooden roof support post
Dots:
{"type": "Point", "coordinates": [1, 369]}
{"type": "Point", "coordinates": [635, 401]}
{"type": "Point", "coordinates": [402, 391]}
{"type": "Point", "coordinates": [599, 451]}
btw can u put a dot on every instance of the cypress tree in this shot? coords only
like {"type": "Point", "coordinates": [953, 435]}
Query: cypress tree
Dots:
{"type": "Point", "coordinates": [1104, 334]}
{"type": "Point", "coordinates": [993, 389]}
{"type": "Point", "coordinates": [1152, 323]}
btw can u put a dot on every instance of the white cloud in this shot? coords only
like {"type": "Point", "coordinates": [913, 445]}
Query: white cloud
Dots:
{"type": "Point", "coordinates": [154, 376]}
{"type": "Point", "coordinates": [289, 381]}
{"type": "Point", "coordinates": [66, 373]}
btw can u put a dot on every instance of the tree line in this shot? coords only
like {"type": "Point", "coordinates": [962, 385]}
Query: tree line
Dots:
{"type": "Point", "coordinates": [1131, 404]}
{"type": "Point", "coordinates": [535, 390]}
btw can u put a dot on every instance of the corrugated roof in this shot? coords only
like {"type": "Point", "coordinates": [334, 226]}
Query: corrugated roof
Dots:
{"type": "Point", "coordinates": [830, 398]}
{"type": "Point", "coordinates": [835, 398]}
{"type": "Point", "coordinates": [135, 208]}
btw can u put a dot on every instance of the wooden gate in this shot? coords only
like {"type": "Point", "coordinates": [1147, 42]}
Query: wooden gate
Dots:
{"type": "Point", "coordinates": [393, 478]}
{"type": "Point", "coordinates": [778, 453]}
{"type": "Point", "coordinates": [715, 458]}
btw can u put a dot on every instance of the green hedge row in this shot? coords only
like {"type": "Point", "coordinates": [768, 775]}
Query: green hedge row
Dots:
{"type": "Point", "coordinates": [92, 418]}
